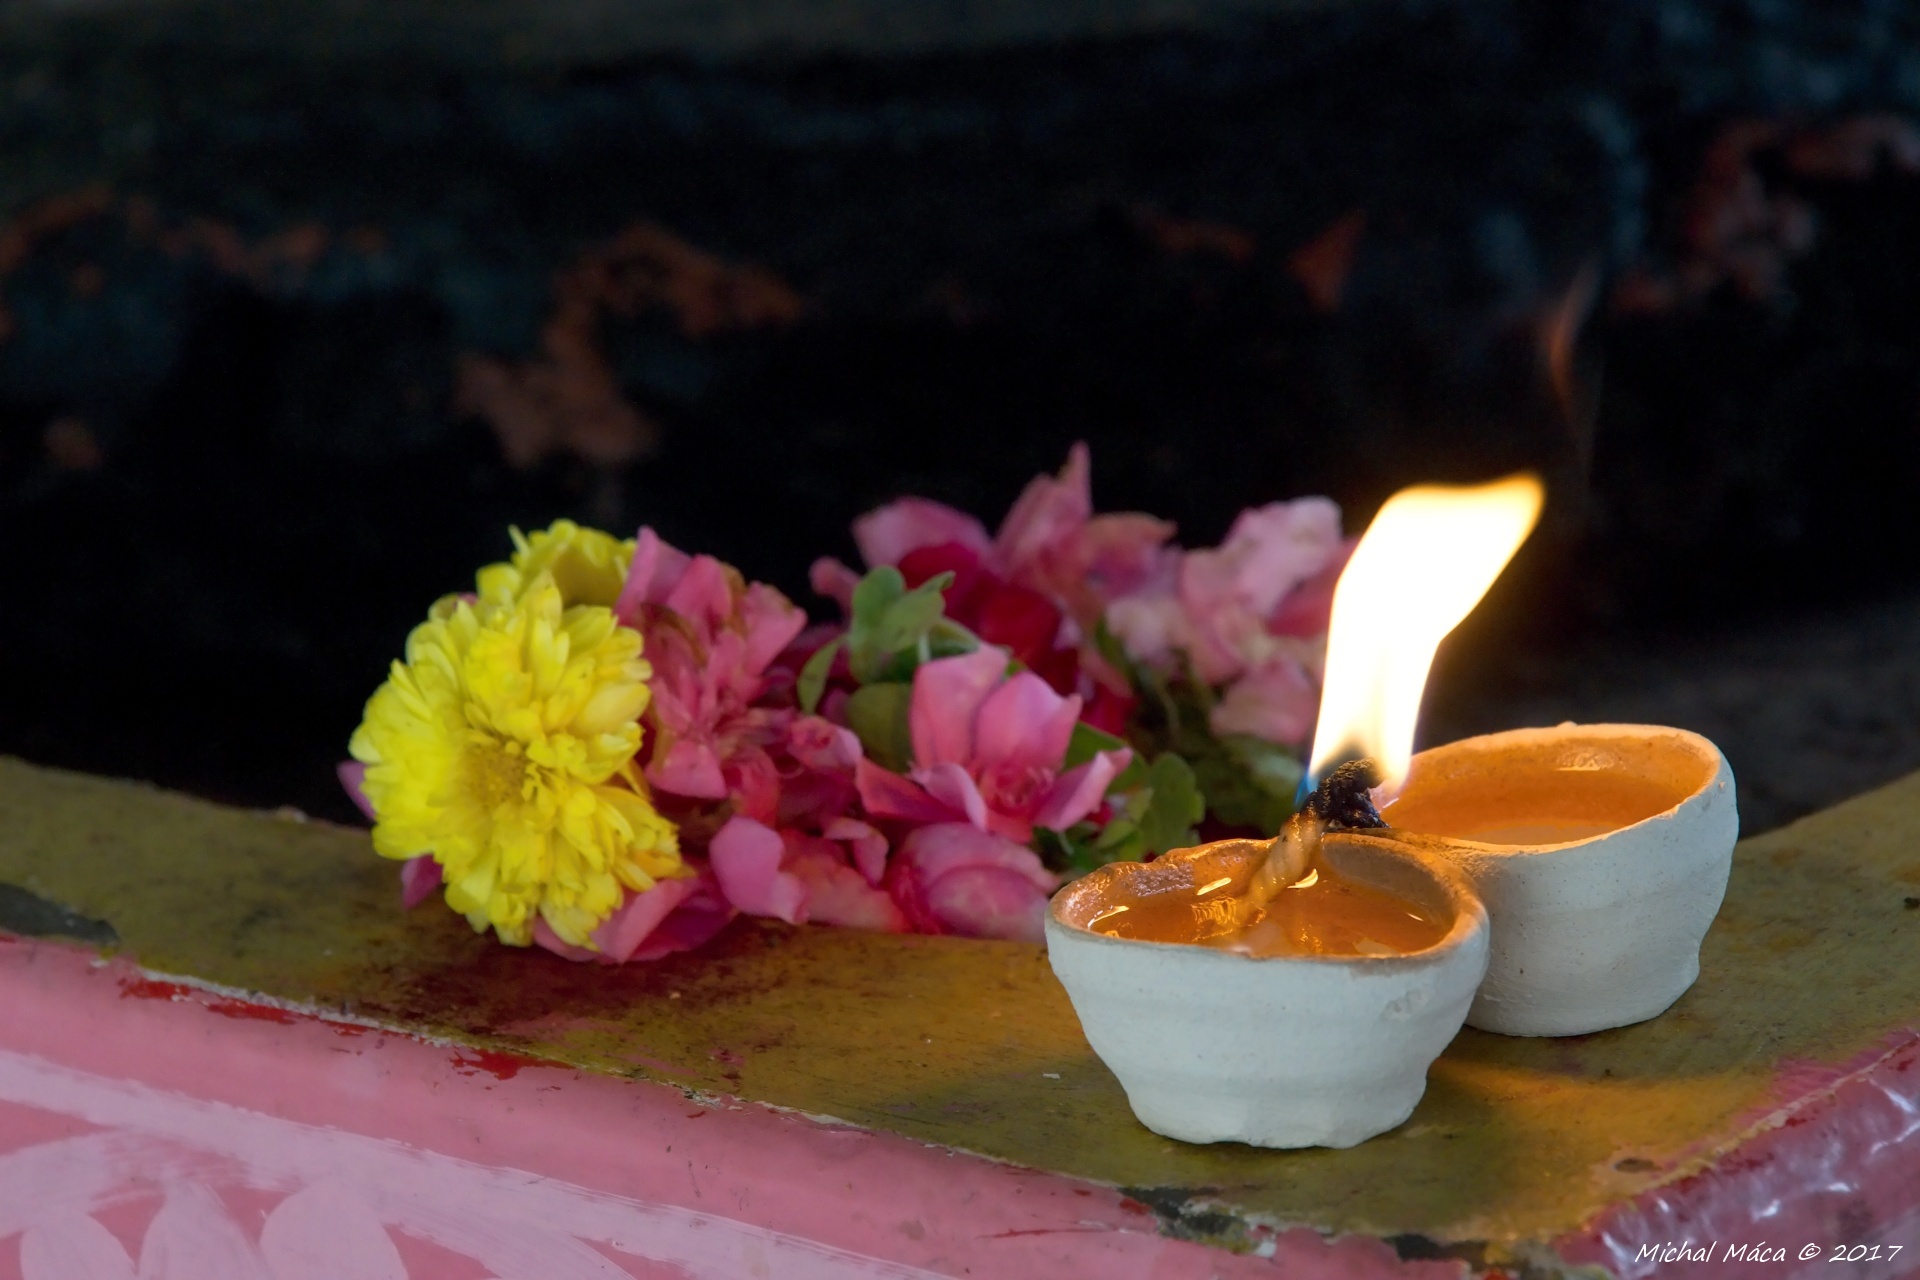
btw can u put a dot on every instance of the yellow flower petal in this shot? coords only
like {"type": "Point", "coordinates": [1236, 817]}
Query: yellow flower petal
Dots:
{"type": "Point", "coordinates": [504, 747]}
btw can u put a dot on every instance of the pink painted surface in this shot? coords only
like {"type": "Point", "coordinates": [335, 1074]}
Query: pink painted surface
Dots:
{"type": "Point", "coordinates": [1839, 1168]}
{"type": "Point", "coordinates": [155, 1133]}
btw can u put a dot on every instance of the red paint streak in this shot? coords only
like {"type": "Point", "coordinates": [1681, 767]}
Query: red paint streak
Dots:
{"type": "Point", "coordinates": [501, 1066]}
{"type": "Point", "coordinates": [225, 1006]}
{"type": "Point", "coordinates": [1048, 1231]}
{"type": "Point", "coordinates": [1133, 1206]}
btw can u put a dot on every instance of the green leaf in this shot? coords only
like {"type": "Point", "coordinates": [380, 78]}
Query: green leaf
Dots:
{"type": "Point", "coordinates": [1078, 850]}
{"type": "Point", "coordinates": [1086, 743]}
{"type": "Point", "coordinates": [1273, 768]}
{"type": "Point", "coordinates": [1110, 647]}
{"type": "Point", "coordinates": [1174, 805]}
{"type": "Point", "coordinates": [948, 639]}
{"type": "Point", "coordinates": [877, 713]}
{"type": "Point", "coordinates": [813, 676]}
{"type": "Point", "coordinates": [892, 629]}
{"type": "Point", "coordinates": [1248, 781]}
{"type": "Point", "coordinates": [873, 593]}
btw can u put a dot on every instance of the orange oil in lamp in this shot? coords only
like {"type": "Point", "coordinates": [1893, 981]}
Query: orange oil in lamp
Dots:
{"type": "Point", "coordinates": [1322, 913]}
{"type": "Point", "coordinates": [1544, 795]}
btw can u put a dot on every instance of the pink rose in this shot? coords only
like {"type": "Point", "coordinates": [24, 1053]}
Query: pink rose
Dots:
{"type": "Point", "coordinates": [988, 749]}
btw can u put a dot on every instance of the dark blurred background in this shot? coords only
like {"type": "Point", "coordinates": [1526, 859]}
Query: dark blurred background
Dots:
{"type": "Point", "coordinates": [304, 301]}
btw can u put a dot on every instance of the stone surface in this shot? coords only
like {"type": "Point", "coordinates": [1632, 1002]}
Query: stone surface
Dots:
{"type": "Point", "coordinates": [1805, 993]}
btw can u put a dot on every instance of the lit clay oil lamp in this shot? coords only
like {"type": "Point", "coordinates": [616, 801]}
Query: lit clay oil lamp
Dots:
{"type": "Point", "coordinates": [1601, 852]}
{"type": "Point", "coordinates": [1294, 992]}
{"type": "Point", "coordinates": [1305, 1014]}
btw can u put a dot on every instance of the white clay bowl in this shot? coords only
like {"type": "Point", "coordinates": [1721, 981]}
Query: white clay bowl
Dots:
{"type": "Point", "coordinates": [1601, 853]}
{"type": "Point", "coordinates": [1214, 1046]}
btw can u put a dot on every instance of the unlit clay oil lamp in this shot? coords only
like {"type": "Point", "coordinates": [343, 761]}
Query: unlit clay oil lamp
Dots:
{"type": "Point", "coordinates": [1293, 992]}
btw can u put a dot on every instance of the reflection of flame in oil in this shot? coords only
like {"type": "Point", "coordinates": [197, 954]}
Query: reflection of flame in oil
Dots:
{"type": "Point", "coordinates": [1425, 561]}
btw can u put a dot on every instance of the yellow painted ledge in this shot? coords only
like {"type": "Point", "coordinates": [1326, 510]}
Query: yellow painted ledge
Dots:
{"type": "Point", "coordinates": [973, 1045]}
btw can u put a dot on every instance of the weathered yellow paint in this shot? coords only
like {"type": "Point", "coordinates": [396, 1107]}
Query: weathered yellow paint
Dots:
{"type": "Point", "coordinates": [951, 1041]}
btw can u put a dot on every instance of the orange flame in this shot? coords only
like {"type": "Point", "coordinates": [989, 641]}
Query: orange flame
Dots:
{"type": "Point", "coordinates": [1424, 563]}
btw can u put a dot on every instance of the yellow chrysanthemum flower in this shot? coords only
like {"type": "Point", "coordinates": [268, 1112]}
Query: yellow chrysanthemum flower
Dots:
{"type": "Point", "coordinates": [588, 566]}
{"type": "Point", "coordinates": [504, 747]}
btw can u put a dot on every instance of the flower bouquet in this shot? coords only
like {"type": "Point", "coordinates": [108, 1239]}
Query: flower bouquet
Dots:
{"type": "Point", "coordinates": [611, 748]}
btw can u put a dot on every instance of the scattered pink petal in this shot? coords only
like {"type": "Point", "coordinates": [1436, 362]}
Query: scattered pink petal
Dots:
{"type": "Point", "coordinates": [986, 902]}
{"type": "Point", "coordinates": [868, 846]}
{"type": "Point", "coordinates": [420, 879]}
{"type": "Point", "coordinates": [746, 858]}
{"type": "Point", "coordinates": [622, 933]}
{"type": "Point", "coordinates": [838, 894]}
{"type": "Point", "coordinates": [696, 920]}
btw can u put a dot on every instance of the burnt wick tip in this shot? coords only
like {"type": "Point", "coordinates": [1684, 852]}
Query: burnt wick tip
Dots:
{"type": "Point", "coordinates": [1342, 799]}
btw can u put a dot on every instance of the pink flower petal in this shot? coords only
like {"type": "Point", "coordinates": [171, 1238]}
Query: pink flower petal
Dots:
{"type": "Point", "coordinates": [829, 578]}
{"type": "Point", "coordinates": [420, 879]}
{"type": "Point", "coordinates": [888, 795]}
{"type": "Point", "coordinates": [888, 533]}
{"type": "Point", "coordinates": [1308, 608]}
{"type": "Point", "coordinates": [621, 934]}
{"type": "Point", "coordinates": [655, 569]}
{"type": "Point", "coordinates": [1024, 724]}
{"type": "Point", "coordinates": [746, 857]}
{"type": "Point", "coordinates": [868, 847]}
{"type": "Point", "coordinates": [1079, 791]}
{"type": "Point", "coordinates": [753, 784]}
{"type": "Point", "coordinates": [1150, 625]}
{"type": "Point", "coordinates": [837, 894]}
{"type": "Point", "coordinates": [772, 621]}
{"type": "Point", "coordinates": [986, 902]}
{"type": "Point", "coordinates": [1123, 552]}
{"type": "Point", "coordinates": [947, 694]}
{"type": "Point", "coordinates": [1277, 701]}
{"type": "Point", "coordinates": [691, 924]}
{"type": "Point", "coordinates": [704, 594]}
{"type": "Point", "coordinates": [941, 849]}
{"type": "Point", "coordinates": [353, 777]}
{"type": "Point", "coordinates": [689, 768]}
{"type": "Point", "coordinates": [1047, 512]}
{"type": "Point", "coordinates": [822, 745]}
{"type": "Point", "coordinates": [955, 788]}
